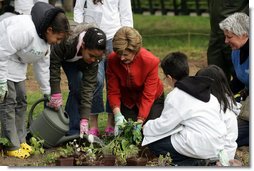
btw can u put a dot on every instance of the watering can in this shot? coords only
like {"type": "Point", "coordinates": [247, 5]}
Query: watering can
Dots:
{"type": "Point", "coordinates": [50, 125]}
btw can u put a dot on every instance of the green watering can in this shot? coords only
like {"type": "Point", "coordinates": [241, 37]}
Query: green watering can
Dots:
{"type": "Point", "coordinates": [50, 125]}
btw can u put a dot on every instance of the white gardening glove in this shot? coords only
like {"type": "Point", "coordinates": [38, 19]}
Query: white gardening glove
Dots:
{"type": "Point", "coordinates": [223, 158]}
{"type": "Point", "coordinates": [119, 119]}
{"type": "Point", "coordinates": [3, 91]}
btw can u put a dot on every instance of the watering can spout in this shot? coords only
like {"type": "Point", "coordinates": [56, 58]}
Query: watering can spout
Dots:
{"type": "Point", "coordinates": [67, 138]}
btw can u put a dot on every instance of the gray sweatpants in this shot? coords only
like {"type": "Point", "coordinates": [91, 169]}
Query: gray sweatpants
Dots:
{"type": "Point", "coordinates": [13, 114]}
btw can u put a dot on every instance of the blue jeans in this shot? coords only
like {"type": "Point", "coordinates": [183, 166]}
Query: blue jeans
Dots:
{"type": "Point", "coordinates": [74, 77]}
{"type": "Point", "coordinates": [109, 49]}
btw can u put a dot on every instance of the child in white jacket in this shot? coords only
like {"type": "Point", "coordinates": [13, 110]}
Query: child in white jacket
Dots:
{"type": "Point", "coordinates": [25, 39]}
{"type": "Point", "coordinates": [221, 90]}
{"type": "Point", "coordinates": [191, 125]}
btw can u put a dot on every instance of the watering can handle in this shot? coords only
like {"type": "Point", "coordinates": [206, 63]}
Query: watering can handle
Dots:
{"type": "Point", "coordinates": [30, 115]}
{"type": "Point", "coordinates": [61, 113]}
{"type": "Point", "coordinates": [63, 117]}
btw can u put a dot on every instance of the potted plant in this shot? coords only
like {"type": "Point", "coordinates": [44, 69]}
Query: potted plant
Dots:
{"type": "Point", "coordinates": [136, 160]}
{"type": "Point", "coordinates": [126, 144]}
{"type": "Point", "coordinates": [109, 158]}
{"type": "Point", "coordinates": [50, 159]}
{"type": "Point", "coordinates": [65, 156]}
{"type": "Point", "coordinates": [88, 156]}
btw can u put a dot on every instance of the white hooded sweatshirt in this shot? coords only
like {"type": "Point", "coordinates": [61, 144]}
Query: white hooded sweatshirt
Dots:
{"type": "Point", "coordinates": [196, 126]}
{"type": "Point", "coordinates": [109, 16]}
{"type": "Point", "coordinates": [20, 45]}
{"type": "Point", "coordinates": [25, 6]}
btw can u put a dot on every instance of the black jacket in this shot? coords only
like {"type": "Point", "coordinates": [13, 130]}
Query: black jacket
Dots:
{"type": "Point", "coordinates": [65, 51]}
{"type": "Point", "coordinates": [197, 86]}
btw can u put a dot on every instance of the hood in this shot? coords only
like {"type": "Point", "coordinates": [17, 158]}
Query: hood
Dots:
{"type": "Point", "coordinates": [196, 86]}
{"type": "Point", "coordinates": [42, 15]}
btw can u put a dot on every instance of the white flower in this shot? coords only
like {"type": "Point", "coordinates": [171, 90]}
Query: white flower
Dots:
{"type": "Point", "coordinates": [90, 138]}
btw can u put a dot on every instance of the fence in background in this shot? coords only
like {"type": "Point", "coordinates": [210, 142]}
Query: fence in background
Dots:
{"type": "Point", "coordinates": [177, 7]}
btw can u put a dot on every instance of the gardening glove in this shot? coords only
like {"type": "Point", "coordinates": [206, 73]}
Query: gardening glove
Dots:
{"type": "Point", "coordinates": [138, 127]}
{"type": "Point", "coordinates": [3, 91]}
{"type": "Point", "coordinates": [119, 119]}
{"type": "Point", "coordinates": [83, 127]}
{"type": "Point", "coordinates": [55, 101]}
{"type": "Point", "coordinates": [223, 158]}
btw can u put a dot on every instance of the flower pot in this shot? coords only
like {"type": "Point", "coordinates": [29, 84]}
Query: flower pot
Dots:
{"type": "Point", "coordinates": [108, 160]}
{"type": "Point", "coordinates": [133, 161]}
{"type": "Point", "coordinates": [65, 161]}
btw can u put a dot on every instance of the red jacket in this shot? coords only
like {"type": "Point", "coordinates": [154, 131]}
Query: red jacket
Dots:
{"type": "Point", "coordinates": [135, 83]}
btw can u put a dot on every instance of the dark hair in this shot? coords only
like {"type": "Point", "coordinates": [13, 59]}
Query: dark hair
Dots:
{"type": "Point", "coordinates": [60, 23]}
{"type": "Point", "coordinates": [220, 87]}
{"type": "Point", "coordinates": [97, 1]}
{"type": "Point", "coordinates": [45, 15]}
{"type": "Point", "coordinates": [95, 38]}
{"type": "Point", "coordinates": [176, 65]}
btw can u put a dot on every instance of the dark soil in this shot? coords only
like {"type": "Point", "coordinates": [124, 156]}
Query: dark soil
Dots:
{"type": "Point", "coordinates": [36, 160]}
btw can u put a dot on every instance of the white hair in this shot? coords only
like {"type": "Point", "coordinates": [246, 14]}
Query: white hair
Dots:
{"type": "Point", "coordinates": [237, 23]}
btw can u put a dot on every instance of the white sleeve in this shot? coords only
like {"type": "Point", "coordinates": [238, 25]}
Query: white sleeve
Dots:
{"type": "Point", "coordinates": [41, 72]}
{"type": "Point", "coordinates": [230, 120]}
{"type": "Point", "coordinates": [11, 41]}
{"type": "Point", "coordinates": [169, 119]}
{"type": "Point", "coordinates": [125, 12]}
{"type": "Point", "coordinates": [78, 15]}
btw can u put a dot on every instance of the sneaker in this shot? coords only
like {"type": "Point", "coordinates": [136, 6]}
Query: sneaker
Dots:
{"type": "Point", "coordinates": [20, 153]}
{"type": "Point", "coordinates": [26, 147]}
{"type": "Point", "coordinates": [94, 131]}
{"type": "Point", "coordinates": [109, 131]}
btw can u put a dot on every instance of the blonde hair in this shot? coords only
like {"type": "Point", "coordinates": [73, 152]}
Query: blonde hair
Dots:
{"type": "Point", "coordinates": [127, 38]}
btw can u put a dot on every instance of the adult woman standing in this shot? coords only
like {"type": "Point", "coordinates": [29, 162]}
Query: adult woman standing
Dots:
{"type": "Point", "coordinates": [134, 88]}
{"type": "Point", "coordinates": [25, 39]}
